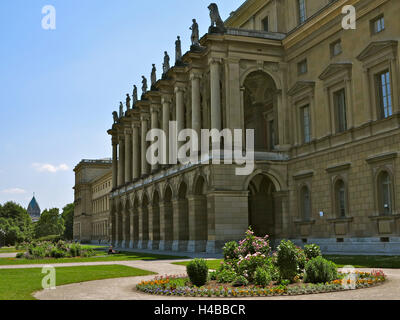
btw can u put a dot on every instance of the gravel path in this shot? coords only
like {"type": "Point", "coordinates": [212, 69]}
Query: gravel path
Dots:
{"type": "Point", "coordinates": [8, 255]}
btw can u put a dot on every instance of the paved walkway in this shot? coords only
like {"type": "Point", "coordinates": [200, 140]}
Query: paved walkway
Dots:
{"type": "Point", "coordinates": [124, 288]}
{"type": "Point", "coordinates": [8, 255]}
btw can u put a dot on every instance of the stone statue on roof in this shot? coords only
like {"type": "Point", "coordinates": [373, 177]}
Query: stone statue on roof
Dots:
{"type": "Point", "coordinates": [153, 76]}
{"type": "Point", "coordinates": [178, 50]}
{"type": "Point", "coordinates": [115, 117]}
{"type": "Point", "coordinates": [128, 102]}
{"type": "Point", "coordinates": [134, 96]}
{"type": "Point", "coordinates": [217, 25]}
{"type": "Point", "coordinates": [195, 34]}
{"type": "Point", "coordinates": [121, 110]}
{"type": "Point", "coordinates": [144, 85]}
{"type": "Point", "coordinates": [166, 65]}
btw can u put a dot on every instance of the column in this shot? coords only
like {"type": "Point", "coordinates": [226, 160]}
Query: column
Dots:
{"type": "Point", "coordinates": [135, 152]}
{"type": "Point", "coordinates": [369, 111]}
{"type": "Point", "coordinates": [131, 230]}
{"type": "Point", "coordinates": [166, 105]}
{"type": "Point", "coordinates": [128, 156]}
{"type": "Point", "coordinates": [394, 72]}
{"type": "Point", "coordinates": [154, 125]}
{"type": "Point", "coordinates": [114, 163]}
{"type": "Point", "coordinates": [145, 165]}
{"type": "Point", "coordinates": [123, 242]}
{"type": "Point", "coordinates": [215, 80]}
{"type": "Point", "coordinates": [349, 94]}
{"type": "Point", "coordinates": [121, 162]}
{"type": "Point", "coordinates": [180, 110]}
{"type": "Point", "coordinates": [196, 101]}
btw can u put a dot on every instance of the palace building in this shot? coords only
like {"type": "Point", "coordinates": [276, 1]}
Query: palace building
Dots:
{"type": "Point", "coordinates": [324, 102]}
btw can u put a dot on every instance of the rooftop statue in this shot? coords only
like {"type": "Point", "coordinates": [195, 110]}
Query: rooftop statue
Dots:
{"type": "Point", "coordinates": [115, 117]}
{"type": "Point", "coordinates": [121, 110]}
{"type": "Point", "coordinates": [128, 102]}
{"type": "Point", "coordinates": [166, 65]}
{"type": "Point", "coordinates": [134, 96]}
{"type": "Point", "coordinates": [153, 76]}
{"type": "Point", "coordinates": [178, 51]}
{"type": "Point", "coordinates": [144, 85]}
{"type": "Point", "coordinates": [195, 34]}
{"type": "Point", "coordinates": [217, 25]}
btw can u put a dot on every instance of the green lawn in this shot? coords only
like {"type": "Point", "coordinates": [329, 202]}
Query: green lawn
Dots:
{"type": "Point", "coordinates": [10, 250]}
{"type": "Point", "coordinates": [381, 262]}
{"type": "Point", "coordinates": [100, 256]}
{"type": "Point", "coordinates": [20, 284]}
{"type": "Point", "coordinates": [212, 264]}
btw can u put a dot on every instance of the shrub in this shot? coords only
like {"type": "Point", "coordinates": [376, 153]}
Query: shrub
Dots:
{"type": "Point", "coordinates": [52, 238]}
{"type": "Point", "coordinates": [75, 250]}
{"type": "Point", "coordinates": [320, 270]}
{"type": "Point", "coordinates": [87, 253]}
{"type": "Point", "coordinates": [20, 255]}
{"type": "Point", "coordinates": [197, 271]}
{"type": "Point", "coordinates": [301, 259]}
{"type": "Point", "coordinates": [248, 265]}
{"type": "Point", "coordinates": [213, 275]}
{"type": "Point", "coordinates": [312, 251]}
{"type": "Point", "coordinates": [230, 251]}
{"type": "Point", "coordinates": [240, 281]}
{"type": "Point", "coordinates": [252, 244]}
{"type": "Point", "coordinates": [287, 260]}
{"type": "Point", "coordinates": [226, 276]}
{"type": "Point", "coordinates": [58, 253]}
{"type": "Point", "coordinates": [262, 277]}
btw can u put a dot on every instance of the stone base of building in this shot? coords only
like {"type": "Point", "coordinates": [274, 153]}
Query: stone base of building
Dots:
{"type": "Point", "coordinates": [165, 245]}
{"type": "Point", "coordinates": [197, 246]}
{"type": "Point", "coordinates": [356, 246]}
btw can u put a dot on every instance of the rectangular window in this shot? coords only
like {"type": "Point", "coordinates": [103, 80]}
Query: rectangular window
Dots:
{"type": "Point", "coordinates": [336, 48]}
{"type": "Point", "coordinates": [306, 125]}
{"type": "Point", "coordinates": [385, 94]}
{"type": "Point", "coordinates": [340, 110]}
{"type": "Point", "coordinates": [302, 11]}
{"type": "Point", "coordinates": [378, 25]}
{"type": "Point", "coordinates": [265, 24]}
{"type": "Point", "coordinates": [302, 67]}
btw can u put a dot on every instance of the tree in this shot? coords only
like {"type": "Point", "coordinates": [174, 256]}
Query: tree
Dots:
{"type": "Point", "coordinates": [50, 223]}
{"type": "Point", "coordinates": [16, 224]}
{"type": "Point", "coordinates": [68, 216]}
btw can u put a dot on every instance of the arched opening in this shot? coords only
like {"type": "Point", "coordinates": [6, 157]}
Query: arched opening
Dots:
{"type": "Point", "coordinates": [127, 225]}
{"type": "Point", "coordinates": [261, 206]}
{"type": "Point", "coordinates": [260, 110]}
{"type": "Point", "coordinates": [135, 222]}
{"type": "Point", "coordinates": [385, 195]}
{"type": "Point", "coordinates": [168, 220]}
{"type": "Point", "coordinates": [155, 225]}
{"type": "Point", "coordinates": [145, 221]}
{"type": "Point", "coordinates": [199, 209]}
{"type": "Point", "coordinates": [182, 217]}
{"type": "Point", "coordinates": [120, 230]}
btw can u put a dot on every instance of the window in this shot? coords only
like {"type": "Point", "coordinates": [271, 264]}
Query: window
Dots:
{"type": "Point", "coordinates": [384, 94]}
{"type": "Point", "coordinates": [378, 25]}
{"type": "Point", "coordinates": [305, 203]}
{"type": "Point", "coordinates": [305, 122]}
{"type": "Point", "coordinates": [271, 130]}
{"type": "Point", "coordinates": [302, 67]}
{"type": "Point", "coordinates": [385, 193]}
{"type": "Point", "coordinates": [336, 48]}
{"type": "Point", "coordinates": [265, 24]}
{"type": "Point", "coordinates": [339, 98]}
{"type": "Point", "coordinates": [340, 194]}
{"type": "Point", "coordinates": [302, 10]}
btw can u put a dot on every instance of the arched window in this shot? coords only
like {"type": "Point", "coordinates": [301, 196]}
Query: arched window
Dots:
{"type": "Point", "coordinates": [341, 199]}
{"type": "Point", "coordinates": [305, 203]}
{"type": "Point", "coordinates": [385, 193]}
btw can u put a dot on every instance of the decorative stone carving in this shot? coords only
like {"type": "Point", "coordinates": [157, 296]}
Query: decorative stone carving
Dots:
{"type": "Point", "coordinates": [166, 65]}
{"type": "Point", "coordinates": [178, 51]}
{"type": "Point", "coordinates": [153, 76]}
{"type": "Point", "coordinates": [195, 35]}
{"type": "Point", "coordinates": [134, 96]}
{"type": "Point", "coordinates": [115, 116]}
{"type": "Point", "coordinates": [217, 25]}
{"type": "Point", "coordinates": [128, 102]}
{"type": "Point", "coordinates": [121, 110]}
{"type": "Point", "coordinates": [144, 85]}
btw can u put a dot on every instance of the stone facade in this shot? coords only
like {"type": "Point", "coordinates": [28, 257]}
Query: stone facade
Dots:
{"type": "Point", "coordinates": [324, 104]}
{"type": "Point", "coordinates": [92, 202]}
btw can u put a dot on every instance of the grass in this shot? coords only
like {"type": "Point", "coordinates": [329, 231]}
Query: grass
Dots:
{"type": "Point", "coordinates": [381, 262]}
{"type": "Point", "coordinates": [377, 262]}
{"type": "Point", "coordinates": [20, 284]}
{"type": "Point", "coordinates": [101, 256]}
{"type": "Point", "coordinates": [10, 250]}
{"type": "Point", "coordinates": [212, 264]}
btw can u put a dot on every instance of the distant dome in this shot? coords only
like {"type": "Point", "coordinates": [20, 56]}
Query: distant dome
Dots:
{"type": "Point", "coordinates": [34, 209]}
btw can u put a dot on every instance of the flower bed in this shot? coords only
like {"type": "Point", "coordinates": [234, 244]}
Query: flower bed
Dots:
{"type": "Point", "coordinates": [180, 286]}
{"type": "Point", "coordinates": [61, 249]}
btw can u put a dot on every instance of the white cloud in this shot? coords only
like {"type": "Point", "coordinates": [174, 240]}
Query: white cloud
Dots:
{"type": "Point", "coordinates": [14, 191]}
{"type": "Point", "coordinates": [46, 167]}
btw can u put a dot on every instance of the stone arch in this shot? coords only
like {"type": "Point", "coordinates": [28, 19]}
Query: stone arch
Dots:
{"type": "Point", "coordinates": [144, 221]}
{"type": "Point", "coordinates": [154, 219]}
{"type": "Point", "coordinates": [261, 206]}
{"type": "Point", "coordinates": [181, 218]}
{"type": "Point", "coordinates": [135, 220]}
{"type": "Point", "coordinates": [127, 223]}
{"type": "Point", "coordinates": [119, 224]}
{"type": "Point", "coordinates": [270, 174]}
{"type": "Point", "coordinates": [384, 185]}
{"type": "Point", "coordinates": [274, 75]}
{"type": "Point", "coordinates": [261, 109]}
{"type": "Point", "coordinates": [199, 216]}
{"type": "Point", "coordinates": [167, 219]}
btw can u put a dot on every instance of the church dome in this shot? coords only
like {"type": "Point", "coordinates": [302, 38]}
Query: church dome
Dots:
{"type": "Point", "coordinates": [34, 209]}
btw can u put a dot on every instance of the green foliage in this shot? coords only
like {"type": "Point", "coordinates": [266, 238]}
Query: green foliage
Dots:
{"type": "Point", "coordinates": [240, 281]}
{"type": "Point", "coordinates": [52, 238]}
{"type": "Point", "coordinates": [197, 271]}
{"type": "Point", "coordinates": [226, 276]}
{"type": "Point", "coordinates": [212, 275]}
{"type": "Point", "coordinates": [287, 260]}
{"type": "Point", "coordinates": [68, 216]}
{"type": "Point", "coordinates": [61, 249]}
{"type": "Point", "coordinates": [320, 270]}
{"type": "Point", "coordinates": [15, 223]}
{"type": "Point", "coordinates": [230, 251]}
{"type": "Point", "coordinates": [301, 259]}
{"type": "Point", "coordinates": [262, 277]}
{"type": "Point", "coordinates": [50, 223]}
{"type": "Point", "coordinates": [312, 251]}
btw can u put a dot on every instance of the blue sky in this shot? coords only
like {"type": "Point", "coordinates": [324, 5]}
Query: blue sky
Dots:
{"type": "Point", "coordinates": [59, 87]}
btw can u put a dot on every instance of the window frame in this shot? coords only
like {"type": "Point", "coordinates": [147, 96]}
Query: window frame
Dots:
{"type": "Point", "coordinates": [301, 11]}
{"type": "Point", "coordinates": [373, 24]}
{"type": "Point", "coordinates": [384, 112]}
{"type": "Point", "coordinates": [340, 108]}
